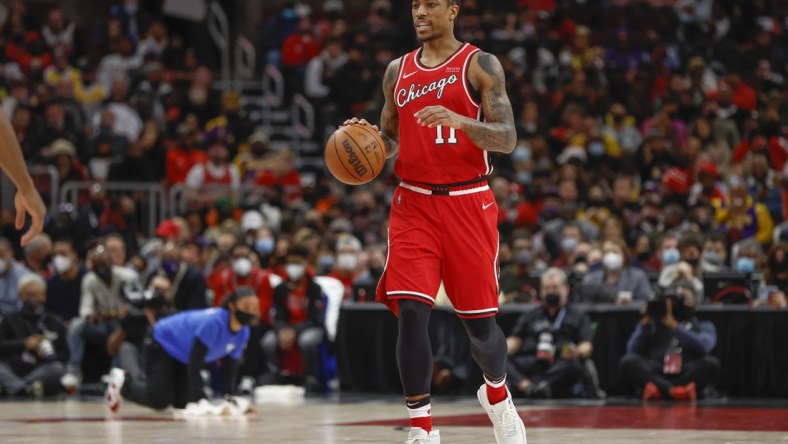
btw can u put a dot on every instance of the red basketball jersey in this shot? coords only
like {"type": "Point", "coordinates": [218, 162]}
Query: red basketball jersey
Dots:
{"type": "Point", "coordinates": [437, 155]}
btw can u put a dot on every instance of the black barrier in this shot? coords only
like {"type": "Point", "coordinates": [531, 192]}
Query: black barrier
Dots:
{"type": "Point", "coordinates": [752, 345]}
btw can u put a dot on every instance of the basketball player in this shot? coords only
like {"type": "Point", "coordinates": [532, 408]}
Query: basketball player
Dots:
{"type": "Point", "coordinates": [27, 198]}
{"type": "Point", "coordinates": [446, 108]}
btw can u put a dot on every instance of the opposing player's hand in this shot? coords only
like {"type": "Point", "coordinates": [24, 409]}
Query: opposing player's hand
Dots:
{"type": "Point", "coordinates": [30, 202]}
{"type": "Point", "coordinates": [357, 121]}
{"type": "Point", "coordinates": [432, 116]}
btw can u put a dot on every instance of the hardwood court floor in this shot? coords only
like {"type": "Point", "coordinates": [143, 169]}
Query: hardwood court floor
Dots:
{"type": "Point", "coordinates": [379, 420]}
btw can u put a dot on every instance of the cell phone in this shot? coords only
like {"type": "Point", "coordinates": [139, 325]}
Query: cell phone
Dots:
{"type": "Point", "coordinates": [657, 308]}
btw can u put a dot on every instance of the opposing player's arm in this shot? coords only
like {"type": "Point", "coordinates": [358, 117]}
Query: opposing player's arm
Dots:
{"type": "Point", "coordinates": [389, 118]}
{"type": "Point", "coordinates": [496, 132]}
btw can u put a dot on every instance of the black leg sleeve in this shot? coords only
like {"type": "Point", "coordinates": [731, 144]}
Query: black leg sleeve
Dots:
{"type": "Point", "coordinates": [488, 346]}
{"type": "Point", "coordinates": [196, 363]}
{"type": "Point", "coordinates": [414, 353]}
{"type": "Point", "coordinates": [227, 375]}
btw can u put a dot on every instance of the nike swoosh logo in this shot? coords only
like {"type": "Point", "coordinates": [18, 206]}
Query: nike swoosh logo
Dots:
{"type": "Point", "coordinates": [405, 76]}
{"type": "Point", "coordinates": [486, 206]}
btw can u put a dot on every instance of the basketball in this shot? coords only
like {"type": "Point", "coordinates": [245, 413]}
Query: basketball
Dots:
{"type": "Point", "coordinates": [355, 154]}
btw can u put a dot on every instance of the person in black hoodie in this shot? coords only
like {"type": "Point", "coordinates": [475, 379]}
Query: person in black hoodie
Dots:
{"type": "Point", "coordinates": [32, 344]}
{"type": "Point", "coordinates": [298, 323]}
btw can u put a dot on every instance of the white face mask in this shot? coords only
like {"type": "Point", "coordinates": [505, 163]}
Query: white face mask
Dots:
{"type": "Point", "coordinates": [347, 261]}
{"type": "Point", "coordinates": [62, 264]}
{"type": "Point", "coordinates": [3, 266]}
{"type": "Point", "coordinates": [242, 267]}
{"type": "Point", "coordinates": [295, 271]}
{"type": "Point", "coordinates": [613, 261]}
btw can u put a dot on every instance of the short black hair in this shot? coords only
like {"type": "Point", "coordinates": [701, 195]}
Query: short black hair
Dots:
{"type": "Point", "coordinates": [691, 239]}
{"type": "Point", "coordinates": [297, 251]}
{"type": "Point", "coordinates": [454, 2]}
{"type": "Point", "coordinates": [240, 293]}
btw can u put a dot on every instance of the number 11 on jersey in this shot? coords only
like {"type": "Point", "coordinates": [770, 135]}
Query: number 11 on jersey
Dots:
{"type": "Point", "coordinates": [439, 140]}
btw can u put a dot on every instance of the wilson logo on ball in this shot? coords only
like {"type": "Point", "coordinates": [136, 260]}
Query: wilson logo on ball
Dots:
{"type": "Point", "coordinates": [353, 159]}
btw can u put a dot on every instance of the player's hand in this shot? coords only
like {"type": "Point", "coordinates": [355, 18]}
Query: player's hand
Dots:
{"type": "Point", "coordinates": [29, 201]}
{"type": "Point", "coordinates": [357, 121]}
{"type": "Point", "coordinates": [432, 116]}
{"type": "Point", "coordinates": [669, 320]}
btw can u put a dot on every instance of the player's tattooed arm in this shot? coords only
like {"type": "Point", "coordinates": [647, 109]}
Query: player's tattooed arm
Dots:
{"type": "Point", "coordinates": [389, 118]}
{"type": "Point", "coordinates": [496, 132]}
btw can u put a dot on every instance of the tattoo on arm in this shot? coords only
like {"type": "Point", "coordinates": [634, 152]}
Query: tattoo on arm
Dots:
{"type": "Point", "coordinates": [496, 132]}
{"type": "Point", "coordinates": [389, 118]}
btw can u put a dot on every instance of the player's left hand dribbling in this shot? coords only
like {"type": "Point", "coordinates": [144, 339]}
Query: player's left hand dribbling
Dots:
{"type": "Point", "coordinates": [432, 116]}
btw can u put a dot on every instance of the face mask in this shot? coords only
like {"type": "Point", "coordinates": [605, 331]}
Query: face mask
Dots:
{"type": "Point", "coordinates": [33, 307]}
{"type": "Point", "coordinates": [104, 273]}
{"type": "Point", "coordinates": [670, 256]}
{"type": "Point", "coordinates": [745, 265]}
{"type": "Point", "coordinates": [644, 256]}
{"type": "Point", "coordinates": [568, 244]}
{"type": "Point", "coordinates": [326, 261]}
{"type": "Point", "coordinates": [524, 177]}
{"type": "Point", "coordinates": [521, 154]}
{"type": "Point", "coordinates": [693, 262]}
{"type": "Point", "coordinates": [618, 118]}
{"type": "Point", "coordinates": [264, 245]}
{"type": "Point", "coordinates": [596, 149]}
{"type": "Point", "coordinates": [246, 318]}
{"type": "Point", "coordinates": [712, 257]}
{"type": "Point", "coordinates": [242, 266]}
{"type": "Point", "coordinates": [347, 261]}
{"type": "Point", "coordinates": [523, 257]}
{"type": "Point", "coordinates": [295, 271]}
{"type": "Point", "coordinates": [613, 261]}
{"type": "Point", "coordinates": [62, 264]}
{"type": "Point", "coordinates": [3, 266]}
{"type": "Point", "coordinates": [552, 299]}
{"type": "Point", "coordinates": [130, 8]}
{"type": "Point", "coordinates": [170, 267]}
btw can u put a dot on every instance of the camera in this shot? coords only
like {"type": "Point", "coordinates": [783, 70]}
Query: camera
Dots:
{"type": "Point", "coordinates": [545, 348]}
{"type": "Point", "coordinates": [46, 350]}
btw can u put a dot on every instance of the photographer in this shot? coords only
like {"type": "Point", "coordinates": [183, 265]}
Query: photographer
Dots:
{"type": "Point", "coordinates": [32, 344]}
{"type": "Point", "coordinates": [548, 343]}
{"type": "Point", "coordinates": [668, 353]}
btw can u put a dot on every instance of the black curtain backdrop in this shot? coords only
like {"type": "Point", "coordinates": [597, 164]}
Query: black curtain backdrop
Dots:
{"type": "Point", "coordinates": [752, 345]}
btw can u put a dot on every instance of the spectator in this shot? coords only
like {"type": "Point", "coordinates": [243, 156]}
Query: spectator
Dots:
{"type": "Point", "coordinates": [64, 288]}
{"type": "Point", "coordinates": [10, 273]}
{"type": "Point", "coordinates": [348, 249]}
{"type": "Point", "coordinates": [187, 288]}
{"type": "Point", "coordinates": [243, 273]}
{"type": "Point", "coordinates": [668, 354]}
{"type": "Point", "coordinates": [37, 254]}
{"type": "Point", "coordinates": [100, 304]}
{"type": "Point", "coordinates": [741, 217]}
{"type": "Point", "coordinates": [688, 268]}
{"type": "Point", "coordinates": [621, 126]}
{"type": "Point", "coordinates": [623, 283]}
{"type": "Point", "coordinates": [215, 171]}
{"type": "Point", "coordinates": [298, 325]}
{"type": "Point", "coordinates": [515, 279]}
{"type": "Point", "coordinates": [58, 33]}
{"type": "Point", "coordinates": [548, 343]}
{"type": "Point", "coordinates": [777, 266]}
{"type": "Point", "coordinates": [715, 254]}
{"type": "Point", "coordinates": [32, 344]}
{"type": "Point", "coordinates": [748, 257]}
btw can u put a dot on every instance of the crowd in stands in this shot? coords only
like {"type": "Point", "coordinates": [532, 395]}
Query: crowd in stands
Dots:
{"type": "Point", "coordinates": [653, 149]}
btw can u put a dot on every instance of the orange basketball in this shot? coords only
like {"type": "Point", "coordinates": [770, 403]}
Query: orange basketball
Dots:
{"type": "Point", "coordinates": [355, 154]}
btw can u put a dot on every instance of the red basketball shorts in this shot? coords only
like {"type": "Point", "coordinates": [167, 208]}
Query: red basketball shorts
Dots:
{"type": "Point", "coordinates": [451, 237]}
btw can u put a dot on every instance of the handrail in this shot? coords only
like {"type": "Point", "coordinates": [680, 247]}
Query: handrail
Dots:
{"type": "Point", "coordinates": [244, 61]}
{"type": "Point", "coordinates": [273, 85]}
{"type": "Point", "coordinates": [178, 203]}
{"type": "Point", "coordinates": [220, 31]}
{"type": "Point", "coordinates": [54, 185]}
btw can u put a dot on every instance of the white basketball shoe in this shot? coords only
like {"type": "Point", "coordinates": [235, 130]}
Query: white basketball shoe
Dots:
{"type": "Point", "coordinates": [115, 382]}
{"type": "Point", "coordinates": [418, 435]}
{"type": "Point", "coordinates": [507, 424]}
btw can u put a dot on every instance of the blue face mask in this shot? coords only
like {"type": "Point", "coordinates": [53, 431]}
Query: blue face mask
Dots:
{"type": "Point", "coordinates": [596, 149]}
{"type": "Point", "coordinates": [670, 256]}
{"type": "Point", "coordinates": [745, 265]}
{"type": "Point", "coordinates": [264, 245]}
{"type": "Point", "coordinates": [325, 262]}
{"type": "Point", "coordinates": [521, 154]}
{"type": "Point", "coordinates": [524, 177]}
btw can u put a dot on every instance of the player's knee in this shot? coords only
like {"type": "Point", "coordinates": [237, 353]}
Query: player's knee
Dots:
{"type": "Point", "coordinates": [413, 314]}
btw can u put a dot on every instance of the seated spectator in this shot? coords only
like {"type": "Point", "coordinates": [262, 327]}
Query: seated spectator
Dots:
{"type": "Point", "coordinates": [740, 217]}
{"type": "Point", "coordinates": [298, 324]}
{"type": "Point", "coordinates": [749, 257]}
{"type": "Point", "coordinates": [623, 283]}
{"type": "Point", "coordinates": [187, 288]}
{"type": "Point", "coordinates": [571, 235]}
{"type": "Point", "coordinates": [10, 272]}
{"type": "Point", "coordinates": [777, 266]}
{"type": "Point", "coordinates": [100, 304]}
{"type": "Point", "coordinates": [181, 345]}
{"type": "Point", "coordinates": [32, 344]}
{"type": "Point", "coordinates": [667, 253]}
{"type": "Point", "coordinates": [64, 288]}
{"type": "Point", "coordinates": [37, 254]}
{"type": "Point", "coordinates": [515, 279]}
{"type": "Point", "coordinates": [688, 267]}
{"type": "Point", "coordinates": [348, 249]}
{"type": "Point", "coordinates": [215, 171]}
{"type": "Point", "coordinates": [668, 354]}
{"type": "Point", "coordinates": [548, 343]}
{"type": "Point", "coordinates": [715, 254]}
